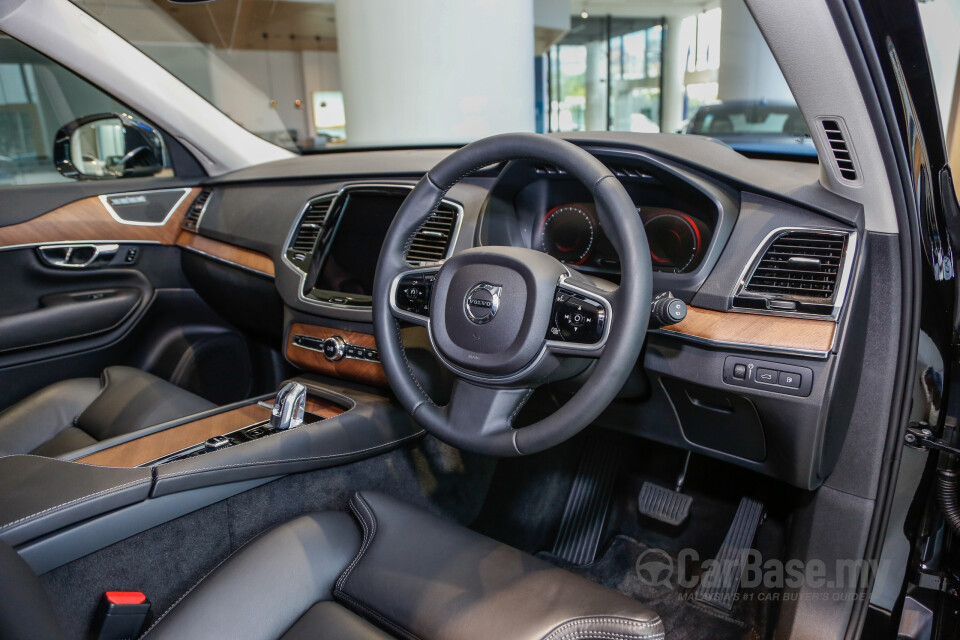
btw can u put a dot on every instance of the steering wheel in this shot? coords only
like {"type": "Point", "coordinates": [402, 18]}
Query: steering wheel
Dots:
{"type": "Point", "coordinates": [505, 320]}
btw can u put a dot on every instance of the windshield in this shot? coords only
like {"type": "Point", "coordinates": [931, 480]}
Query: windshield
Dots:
{"type": "Point", "coordinates": [315, 75]}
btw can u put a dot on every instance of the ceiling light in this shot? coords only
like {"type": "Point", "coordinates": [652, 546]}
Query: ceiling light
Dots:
{"type": "Point", "coordinates": [584, 14]}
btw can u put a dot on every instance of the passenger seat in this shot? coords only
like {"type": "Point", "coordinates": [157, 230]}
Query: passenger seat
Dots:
{"type": "Point", "coordinates": [73, 414]}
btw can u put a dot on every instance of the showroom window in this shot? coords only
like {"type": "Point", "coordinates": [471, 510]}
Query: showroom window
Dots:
{"type": "Point", "coordinates": [37, 98]}
{"type": "Point", "coordinates": [317, 76]}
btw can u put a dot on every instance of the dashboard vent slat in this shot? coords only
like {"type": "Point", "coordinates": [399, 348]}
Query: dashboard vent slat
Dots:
{"type": "Point", "coordinates": [191, 219]}
{"type": "Point", "coordinates": [800, 266]}
{"type": "Point", "coordinates": [432, 240]}
{"type": "Point", "coordinates": [836, 137]}
{"type": "Point", "coordinates": [308, 229]}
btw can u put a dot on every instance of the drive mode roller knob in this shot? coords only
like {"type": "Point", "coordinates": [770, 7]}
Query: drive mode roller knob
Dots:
{"type": "Point", "coordinates": [334, 348]}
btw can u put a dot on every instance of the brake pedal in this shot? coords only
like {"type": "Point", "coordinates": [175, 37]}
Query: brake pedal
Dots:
{"type": "Point", "coordinates": [664, 505]}
{"type": "Point", "coordinates": [588, 503]}
{"type": "Point", "coordinates": [721, 582]}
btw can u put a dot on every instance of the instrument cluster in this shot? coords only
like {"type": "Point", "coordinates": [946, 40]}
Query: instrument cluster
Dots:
{"type": "Point", "coordinates": [572, 234]}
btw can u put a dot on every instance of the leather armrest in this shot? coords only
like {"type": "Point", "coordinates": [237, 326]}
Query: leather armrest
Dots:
{"type": "Point", "coordinates": [41, 495]}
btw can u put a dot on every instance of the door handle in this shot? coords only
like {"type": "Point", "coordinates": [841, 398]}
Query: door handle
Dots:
{"type": "Point", "coordinates": [75, 256]}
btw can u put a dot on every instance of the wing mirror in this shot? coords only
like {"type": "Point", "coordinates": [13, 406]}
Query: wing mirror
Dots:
{"type": "Point", "coordinates": [108, 145]}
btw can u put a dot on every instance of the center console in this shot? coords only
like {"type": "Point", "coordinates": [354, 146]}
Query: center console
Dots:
{"type": "Point", "coordinates": [56, 510]}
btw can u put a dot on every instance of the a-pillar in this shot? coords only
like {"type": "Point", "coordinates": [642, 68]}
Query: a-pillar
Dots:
{"type": "Point", "coordinates": [435, 71]}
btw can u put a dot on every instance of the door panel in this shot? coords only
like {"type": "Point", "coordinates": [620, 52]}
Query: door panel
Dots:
{"type": "Point", "coordinates": [63, 317]}
{"type": "Point", "coordinates": [89, 220]}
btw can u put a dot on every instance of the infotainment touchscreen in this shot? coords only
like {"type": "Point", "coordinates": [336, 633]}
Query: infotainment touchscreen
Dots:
{"type": "Point", "coordinates": [354, 247]}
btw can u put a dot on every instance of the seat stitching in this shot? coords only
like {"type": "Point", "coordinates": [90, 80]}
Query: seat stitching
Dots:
{"type": "Point", "coordinates": [564, 632]}
{"type": "Point", "coordinates": [288, 460]}
{"type": "Point", "coordinates": [586, 634]}
{"type": "Point", "coordinates": [357, 501]}
{"type": "Point", "coordinates": [79, 500]}
{"type": "Point", "coordinates": [368, 533]}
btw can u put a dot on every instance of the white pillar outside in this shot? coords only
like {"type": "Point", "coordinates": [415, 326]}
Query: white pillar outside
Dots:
{"type": "Point", "coordinates": [674, 68]}
{"type": "Point", "coordinates": [595, 116]}
{"type": "Point", "coordinates": [435, 71]}
{"type": "Point", "coordinates": [748, 70]}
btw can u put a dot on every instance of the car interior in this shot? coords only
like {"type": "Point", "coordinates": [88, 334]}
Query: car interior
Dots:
{"type": "Point", "coordinates": [556, 385]}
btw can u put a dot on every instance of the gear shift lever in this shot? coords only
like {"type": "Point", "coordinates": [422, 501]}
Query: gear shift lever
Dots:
{"type": "Point", "coordinates": [288, 408]}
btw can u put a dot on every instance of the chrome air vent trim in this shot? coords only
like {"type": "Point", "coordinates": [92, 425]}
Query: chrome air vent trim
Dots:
{"type": "Point", "coordinates": [334, 198]}
{"type": "Point", "coordinates": [308, 226]}
{"type": "Point", "coordinates": [742, 297]}
{"type": "Point", "coordinates": [193, 216]}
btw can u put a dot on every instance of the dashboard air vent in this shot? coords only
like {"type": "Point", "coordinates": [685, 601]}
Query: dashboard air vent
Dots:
{"type": "Point", "coordinates": [432, 240]}
{"type": "Point", "coordinates": [308, 230]}
{"type": "Point", "coordinates": [548, 170]}
{"type": "Point", "coordinates": [837, 140]}
{"type": "Point", "coordinates": [626, 172]}
{"type": "Point", "coordinates": [191, 218]}
{"type": "Point", "coordinates": [799, 271]}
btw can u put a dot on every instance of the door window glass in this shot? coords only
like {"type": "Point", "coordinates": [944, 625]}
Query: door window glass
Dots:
{"type": "Point", "coordinates": [38, 97]}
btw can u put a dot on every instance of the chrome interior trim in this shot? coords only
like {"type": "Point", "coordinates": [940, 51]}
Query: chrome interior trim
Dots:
{"type": "Point", "coordinates": [335, 197]}
{"type": "Point", "coordinates": [73, 243]}
{"type": "Point", "coordinates": [116, 216]}
{"type": "Point", "coordinates": [98, 250]}
{"type": "Point", "coordinates": [849, 255]}
{"type": "Point", "coordinates": [203, 210]}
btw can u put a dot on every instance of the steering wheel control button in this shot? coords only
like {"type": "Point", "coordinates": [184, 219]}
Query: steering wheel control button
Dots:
{"type": "Point", "coordinates": [576, 319]}
{"type": "Point", "coordinates": [482, 302]}
{"type": "Point", "coordinates": [768, 376]}
{"type": "Point", "coordinates": [414, 293]}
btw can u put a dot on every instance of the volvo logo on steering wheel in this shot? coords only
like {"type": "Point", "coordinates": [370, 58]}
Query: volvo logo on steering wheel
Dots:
{"type": "Point", "coordinates": [482, 302]}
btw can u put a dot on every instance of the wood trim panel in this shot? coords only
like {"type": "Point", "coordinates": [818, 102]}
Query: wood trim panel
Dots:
{"type": "Point", "coordinates": [233, 254]}
{"type": "Point", "coordinates": [357, 370]}
{"type": "Point", "coordinates": [161, 443]}
{"type": "Point", "coordinates": [87, 220]}
{"type": "Point", "coordinates": [757, 329]}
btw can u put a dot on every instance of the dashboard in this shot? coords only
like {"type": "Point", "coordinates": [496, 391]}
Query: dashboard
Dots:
{"type": "Point", "coordinates": [764, 257]}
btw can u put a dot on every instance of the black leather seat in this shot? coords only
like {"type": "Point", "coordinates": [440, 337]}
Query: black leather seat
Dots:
{"type": "Point", "coordinates": [403, 573]}
{"type": "Point", "coordinates": [76, 413]}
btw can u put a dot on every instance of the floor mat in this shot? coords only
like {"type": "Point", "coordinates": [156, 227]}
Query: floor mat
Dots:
{"type": "Point", "coordinates": [656, 586]}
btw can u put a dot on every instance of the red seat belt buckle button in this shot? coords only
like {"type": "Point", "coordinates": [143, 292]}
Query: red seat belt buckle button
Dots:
{"type": "Point", "coordinates": [121, 615]}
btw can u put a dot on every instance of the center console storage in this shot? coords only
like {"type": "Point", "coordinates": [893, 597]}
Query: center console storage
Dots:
{"type": "Point", "coordinates": [49, 502]}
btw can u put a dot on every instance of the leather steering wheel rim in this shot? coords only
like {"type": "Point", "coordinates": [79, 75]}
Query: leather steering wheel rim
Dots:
{"type": "Point", "coordinates": [480, 413]}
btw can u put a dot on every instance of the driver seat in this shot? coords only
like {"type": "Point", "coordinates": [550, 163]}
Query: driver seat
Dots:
{"type": "Point", "coordinates": [403, 573]}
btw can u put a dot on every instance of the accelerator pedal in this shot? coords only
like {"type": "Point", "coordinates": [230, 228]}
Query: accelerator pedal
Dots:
{"type": "Point", "coordinates": [720, 584]}
{"type": "Point", "coordinates": [588, 503]}
{"type": "Point", "coordinates": [660, 503]}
